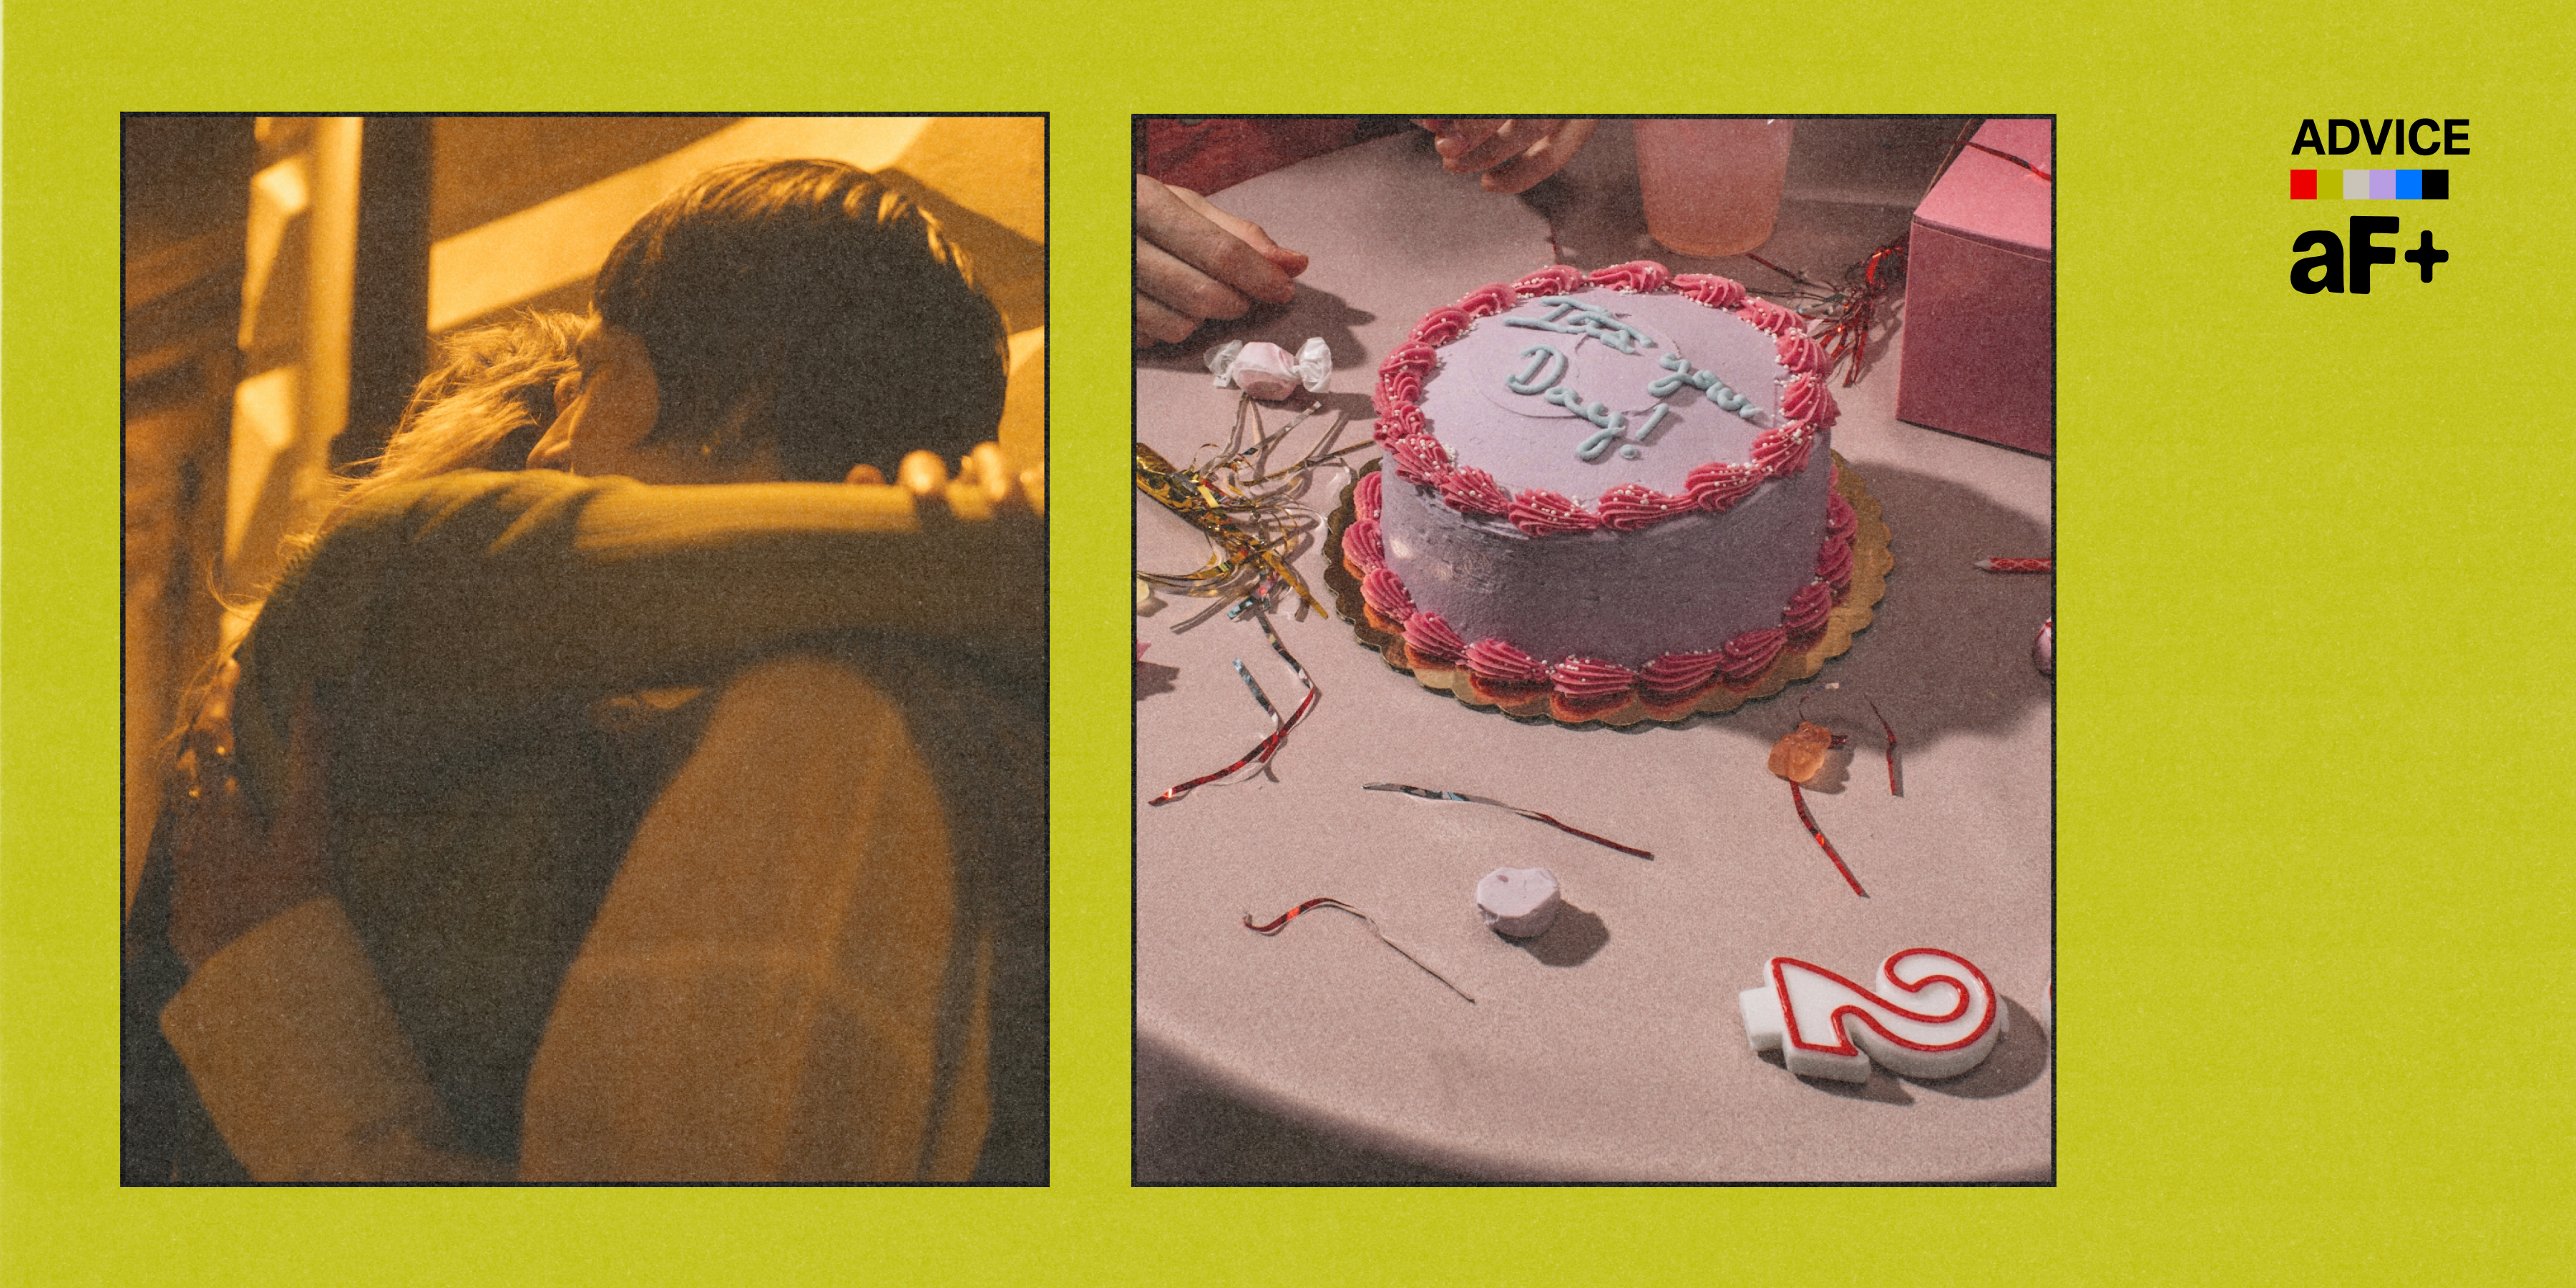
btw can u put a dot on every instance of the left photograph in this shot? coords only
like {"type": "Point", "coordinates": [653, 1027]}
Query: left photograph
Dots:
{"type": "Point", "coordinates": [585, 677]}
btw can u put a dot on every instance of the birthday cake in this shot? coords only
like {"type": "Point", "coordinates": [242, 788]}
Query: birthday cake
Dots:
{"type": "Point", "coordinates": [1607, 488]}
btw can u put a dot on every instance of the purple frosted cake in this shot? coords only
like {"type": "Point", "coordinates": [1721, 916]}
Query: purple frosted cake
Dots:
{"type": "Point", "coordinates": [1607, 487]}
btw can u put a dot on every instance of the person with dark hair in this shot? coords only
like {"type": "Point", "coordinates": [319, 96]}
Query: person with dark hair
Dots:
{"type": "Point", "coordinates": [805, 311]}
{"type": "Point", "coordinates": [534, 910]}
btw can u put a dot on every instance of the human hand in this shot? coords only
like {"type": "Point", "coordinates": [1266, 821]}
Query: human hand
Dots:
{"type": "Point", "coordinates": [1512, 155]}
{"type": "Point", "coordinates": [230, 868]}
{"type": "Point", "coordinates": [1195, 262]}
{"type": "Point", "coordinates": [988, 483]}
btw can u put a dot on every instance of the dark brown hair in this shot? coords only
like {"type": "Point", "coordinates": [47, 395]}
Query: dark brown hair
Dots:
{"type": "Point", "coordinates": [807, 306]}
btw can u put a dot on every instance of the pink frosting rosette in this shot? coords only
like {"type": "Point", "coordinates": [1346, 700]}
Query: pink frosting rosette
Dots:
{"type": "Point", "coordinates": [1500, 663]}
{"type": "Point", "coordinates": [1587, 679]}
{"type": "Point", "coordinates": [1486, 301]}
{"type": "Point", "coordinates": [1782, 452]}
{"type": "Point", "coordinates": [1631, 506]}
{"type": "Point", "coordinates": [1473, 491]}
{"type": "Point", "coordinates": [1385, 593]}
{"type": "Point", "coordinates": [1806, 400]}
{"type": "Point", "coordinates": [1440, 326]}
{"type": "Point", "coordinates": [1718, 485]}
{"type": "Point", "coordinates": [1809, 608]}
{"type": "Point", "coordinates": [1840, 519]}
{"type": "Point", "coordinates": [1399, 388]}
{"type": "Point", "coordinates": [1364, 545]}
{"type": "Point", "coordinates": [1710, 289]}
{"type": "Point", "coordinates": [1427, 635]}
{"type": "Point", "coordinates": [1542, 513]}
{"type": "Point", "coordinates": [1412, 356]}
{"type": "Point", "coordinates": [1419, 459]}
{"type": "Point", "coordinates": [1748, 655]}
{"type": "Point", "coordinates": [1637, 276]}
{"type": "Point", "coordinates": [1555, 279]}
{"type": "Point", "coordinates": [1771, 317]}
{"type": "Point", "coordinates": [1675, 674]}
{"type": "Point", "coordinates": [1404, 421]}
{"type": "Point", "coordinates": [1798, 353]}
{"type": "Point", "coordinates": [1834, 562]}
{"type": "Point", "coordinates": [1368, 496]}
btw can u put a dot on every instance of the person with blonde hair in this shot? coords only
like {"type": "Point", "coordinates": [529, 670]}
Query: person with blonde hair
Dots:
{"type": "Point", "coordinates": [533, 914]}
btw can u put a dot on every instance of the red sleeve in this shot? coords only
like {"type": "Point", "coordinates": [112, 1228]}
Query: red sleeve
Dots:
{"type": "Point", "coordinates": [1206, 154]}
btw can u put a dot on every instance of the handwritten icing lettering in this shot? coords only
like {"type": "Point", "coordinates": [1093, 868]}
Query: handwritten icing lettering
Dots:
{"type": "Point", "coordinates": [1683, 374]}
{"type": "Point", "coordinates": [1647, 426]}
{"type": "Point", "coordinates": [1686, 375]}
{"type": "Point", "coordinates": [1543, 374]}
{"type": "Point", "coordinates": [1598, 413]}
{"type": "Point", "coordinates": [1611, 423]}
{"type": "Point", "coordinates": [1574, 317]}
{"type": "Point", "coordinates": [1527, 380]}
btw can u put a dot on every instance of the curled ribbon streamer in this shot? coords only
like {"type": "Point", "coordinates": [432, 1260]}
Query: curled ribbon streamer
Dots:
{"type": "Point", "coordinates": [1247, 510]}
{"type": "Point", "coordinates": [1267, 747]}
{"type": "Point", "coordinates": [1846, 313]}
{"type": "Point", "coordinates": [1890, 731]}
{"type": "Point", "coordinates": [1430, 794]}
{"type": "Point", "coordinates": [1275, 926]}
{"type": "Point", "coordinates": [1799, 799]}
{"type": "Point", "coordinates": [1995, 152]}
{"type": "Point", "coordinates": [2018, 565]}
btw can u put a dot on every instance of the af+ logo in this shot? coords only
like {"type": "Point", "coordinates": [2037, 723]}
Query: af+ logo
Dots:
{"type": "Point", "coordinates": [2341, 264]}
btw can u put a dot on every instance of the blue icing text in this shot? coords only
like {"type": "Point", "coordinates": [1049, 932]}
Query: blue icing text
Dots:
{"type": "Point", "coordinates": [1527, 381]}
{"type": "Point", "coordinates": [1706, 381]}
{"type": "Point", "coordinates": [1574, 317]}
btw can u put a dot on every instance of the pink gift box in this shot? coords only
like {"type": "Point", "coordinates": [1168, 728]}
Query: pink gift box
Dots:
{"type": "Point", "coordinates": [1980, 296]}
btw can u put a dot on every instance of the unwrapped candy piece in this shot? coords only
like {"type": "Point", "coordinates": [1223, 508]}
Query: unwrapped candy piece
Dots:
{"type": "Point", "coordinates": [1519, 902]}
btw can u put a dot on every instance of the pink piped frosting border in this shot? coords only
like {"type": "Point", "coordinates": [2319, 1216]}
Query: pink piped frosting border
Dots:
{"type": "Point", "coordinates": [1418, 456]}
{"type": "Point", "coordinates": [1582, 683]}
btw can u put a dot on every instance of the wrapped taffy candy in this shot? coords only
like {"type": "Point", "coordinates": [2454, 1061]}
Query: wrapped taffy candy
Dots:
{"type": "Point", "coordinates": [1268, 372]}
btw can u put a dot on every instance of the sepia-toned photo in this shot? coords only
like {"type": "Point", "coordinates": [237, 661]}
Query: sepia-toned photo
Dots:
{"type": "Point", "coordinates": [585, 623]}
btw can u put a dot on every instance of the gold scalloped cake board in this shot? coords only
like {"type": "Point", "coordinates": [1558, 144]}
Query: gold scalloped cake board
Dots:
{"type": "Point", "coordinates": [1872, 561]}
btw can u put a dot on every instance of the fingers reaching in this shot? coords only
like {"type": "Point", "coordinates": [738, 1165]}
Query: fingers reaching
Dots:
{"type": "Point", "coordinates": [993, 473]}
{"type": "Point", "coordinates": [231, 868]}
{"type": "Point", "coordinates": [925, 476]}
{"type": "Point", "coordinates": [1195, 262]}
{"type": "Point", "coordinates": [987, 483]}
{"type": "Point", "coordinates": [1511, 155]}
{"type": "Point", "coordinates": [1003, 485]}
{"type": "Point", "coordinates": [1545, 156]}
{"type": "Point", "coordinates": [1249, 233]}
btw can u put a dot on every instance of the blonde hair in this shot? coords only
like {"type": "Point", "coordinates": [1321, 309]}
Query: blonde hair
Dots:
{"type": "Point", "coordinates": [483, 407]}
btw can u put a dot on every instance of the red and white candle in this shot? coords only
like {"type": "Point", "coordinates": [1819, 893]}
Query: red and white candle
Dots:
{"type": "Point", "coordinates": [1932, 1015]}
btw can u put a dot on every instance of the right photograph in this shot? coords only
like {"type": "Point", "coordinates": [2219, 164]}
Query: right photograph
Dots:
{"type": "Point", "coordinates": [1595, 650]}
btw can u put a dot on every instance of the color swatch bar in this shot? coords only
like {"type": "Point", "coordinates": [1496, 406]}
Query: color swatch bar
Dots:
{"type": "Point", "coordinates": [2372, 185]}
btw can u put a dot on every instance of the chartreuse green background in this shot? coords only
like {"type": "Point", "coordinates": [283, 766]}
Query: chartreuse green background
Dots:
{"type": "Point", "coordinates": [2314, 895]}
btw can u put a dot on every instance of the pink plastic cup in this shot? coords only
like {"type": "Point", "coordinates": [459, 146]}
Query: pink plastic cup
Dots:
{"type": "Point", "coordinates": [1712, 187]}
